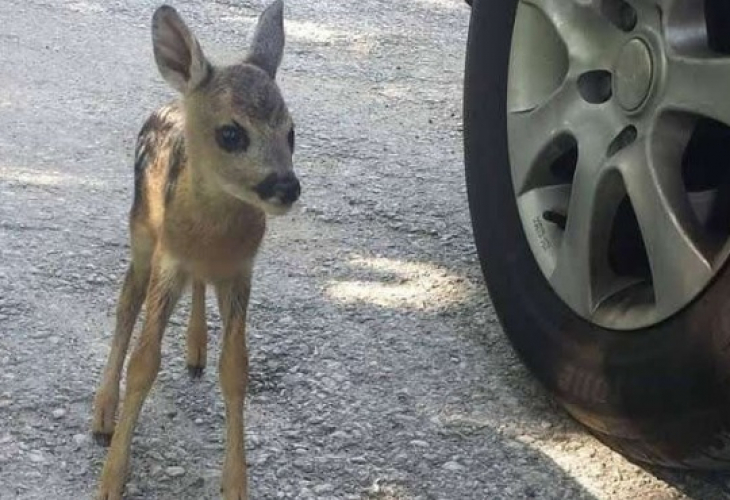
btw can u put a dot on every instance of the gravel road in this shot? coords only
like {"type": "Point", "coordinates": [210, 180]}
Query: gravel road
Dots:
{"type": "Point", "coordinates": [379, 370]}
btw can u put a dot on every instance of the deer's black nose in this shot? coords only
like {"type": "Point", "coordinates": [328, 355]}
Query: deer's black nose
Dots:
{"type": "Point", "coordinates": [285, 187]}
{"type": "Point", "coordinates": [288, 188]}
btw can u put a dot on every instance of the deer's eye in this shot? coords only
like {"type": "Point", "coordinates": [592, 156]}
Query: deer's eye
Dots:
{"type": "Point", "coordinates": [232, 138]}
{"type": "Point", "coordinates": [290, 138]}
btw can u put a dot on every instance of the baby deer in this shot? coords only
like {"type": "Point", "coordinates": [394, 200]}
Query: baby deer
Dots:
{"type": "Point", "coordinates": [207, 169]}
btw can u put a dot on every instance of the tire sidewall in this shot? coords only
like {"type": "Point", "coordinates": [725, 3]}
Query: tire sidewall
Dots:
{"type": "Point", "coordinates": [641, 385]}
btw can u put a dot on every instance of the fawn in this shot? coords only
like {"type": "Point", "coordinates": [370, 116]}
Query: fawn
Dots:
{"type": "Point", "coordinates": [208, 168]}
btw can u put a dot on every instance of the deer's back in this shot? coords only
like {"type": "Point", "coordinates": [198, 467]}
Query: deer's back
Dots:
{"type": "Point", "coordinates": [159, 160]}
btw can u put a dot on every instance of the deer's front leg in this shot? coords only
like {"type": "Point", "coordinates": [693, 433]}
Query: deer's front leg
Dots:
{"type": "Point", "coordinates": [166, 282]}
{"type": "Point", "coordinates": [233, 302]}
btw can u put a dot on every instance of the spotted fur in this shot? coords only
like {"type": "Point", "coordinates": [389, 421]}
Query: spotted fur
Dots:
{"type": "Point", "coordinates": [160, 152]}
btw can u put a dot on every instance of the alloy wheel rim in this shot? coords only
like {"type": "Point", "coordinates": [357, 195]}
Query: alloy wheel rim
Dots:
{"type": "Point", "coordinates": [604, 99]}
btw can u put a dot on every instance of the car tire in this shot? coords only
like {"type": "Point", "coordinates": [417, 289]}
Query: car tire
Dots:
{"type": "Point", "coordinates": [659, 394]}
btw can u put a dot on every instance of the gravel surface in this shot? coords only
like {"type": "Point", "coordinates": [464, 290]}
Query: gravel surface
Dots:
{"type": "Point", "coordinates": [379, 370]}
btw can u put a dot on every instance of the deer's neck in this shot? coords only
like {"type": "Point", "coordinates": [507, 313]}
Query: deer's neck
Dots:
{"type": "Point", "coordinates": [211, 232]}
{"type": "Point", "coordinates": [211, 204]}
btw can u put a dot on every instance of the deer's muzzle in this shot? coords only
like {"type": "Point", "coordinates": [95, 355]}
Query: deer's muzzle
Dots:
{"type": "Point", "coordinates": [283, 187]}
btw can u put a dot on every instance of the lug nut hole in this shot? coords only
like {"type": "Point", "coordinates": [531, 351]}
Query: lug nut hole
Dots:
{"type": "Point", "coordinates": [595, 86]}
{"type": "Point", "coordinates": [621, 14]}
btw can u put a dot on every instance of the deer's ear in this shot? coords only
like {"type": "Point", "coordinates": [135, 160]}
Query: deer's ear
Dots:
{"type": "Point", "coordinates": [267, 47]}
{"type": "Point", "coordinates": [177, 52]}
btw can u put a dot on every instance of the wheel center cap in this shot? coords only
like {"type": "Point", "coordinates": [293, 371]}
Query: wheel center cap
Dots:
{"type": "Point", "coordinates": [633, 74]}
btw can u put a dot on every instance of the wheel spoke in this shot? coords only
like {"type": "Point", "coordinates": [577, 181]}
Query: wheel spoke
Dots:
{"type": "Point", "coordinates": [668, 225]}
{"type": "Point", "coordinates": [699, 85]}
{"type": "Point", "coordinates": [539, 129]}
{"type": "Point", "coordinates": [581, 266]}
{"type": "Point", "coordinates": [583, 29]}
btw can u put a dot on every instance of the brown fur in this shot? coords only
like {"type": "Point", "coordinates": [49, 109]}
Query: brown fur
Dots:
{"type": "Point", "coordinates": [197, 219]}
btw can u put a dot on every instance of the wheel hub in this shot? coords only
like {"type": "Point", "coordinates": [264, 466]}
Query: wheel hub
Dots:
{"type": "Point", "coordinates": [633, 75]}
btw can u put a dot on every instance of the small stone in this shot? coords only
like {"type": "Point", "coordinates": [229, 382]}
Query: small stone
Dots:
{"type": "Point", "coordinates": [36, 457]}
{"type": "Point", "coordinates": [420, 444]}
{"type": "Point", "coordinates": [321, 489]}
{"type": "Point", "coordinates": [211, 474]}
{"type": "Point", "coordinates": [175, 471]}
{"type": "Point", "coordinates": [258, 460]}
{"type": "Point", "coordinates": [524, 438]}
{"type": "Point", "coordinates": [59, 413]}
{"type": "Point", "coordinates": [305, 493]}
{"type": "Point", "coordinates": [133, 490]}
{"type": "Point", "coordinates": [453, 466]}
{"type": "Point", "coordinates": [80, 439]}
{"type": "Point", "coordinates": [340, 435]}
{"type": "Point", "coordinates": [304, 465]}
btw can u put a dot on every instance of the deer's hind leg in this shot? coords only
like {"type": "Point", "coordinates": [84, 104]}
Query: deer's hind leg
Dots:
{"type": "Point", "coordinates": [197, 335]}
{"type": "Point", "coordinates": [166, 282]}
{"type": "Point", "coordinates": [131, 298]}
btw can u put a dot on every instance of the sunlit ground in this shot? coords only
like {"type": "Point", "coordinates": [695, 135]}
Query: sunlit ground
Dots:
{"type": "Point", "coordinates": [43, 179]}
{"type": "Point", "coordinates": [404, 285]}
{"type": "Point", "coordinates": [444, 4]}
